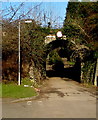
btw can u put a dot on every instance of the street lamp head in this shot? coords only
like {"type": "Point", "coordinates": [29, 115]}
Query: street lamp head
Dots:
{"type": "Point", "coordinates": [59, 34]}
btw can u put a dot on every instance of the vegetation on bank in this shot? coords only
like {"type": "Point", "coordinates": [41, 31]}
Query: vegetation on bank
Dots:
{"type": "Point", "coordinates": [81, 24]}
{"type": "Point", "coordinates": [32, 48]}
{"type": "Point", "coordinates": [81, 28]}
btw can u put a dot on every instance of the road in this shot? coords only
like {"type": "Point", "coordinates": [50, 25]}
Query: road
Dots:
{"type": "Point", "coordinates": [59, 98]}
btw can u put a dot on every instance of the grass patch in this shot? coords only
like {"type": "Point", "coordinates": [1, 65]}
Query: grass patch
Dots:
{"type": "Point", "coordinates": [71, 63]}
{"type": "Point", "coordinates": [27, 81]}
{"type": "Point", "coordinates": [88, 85]}
{"type": "Point", "coordinates": [15, 91]}
{"type": "Point", "coordinates": [0, 90]}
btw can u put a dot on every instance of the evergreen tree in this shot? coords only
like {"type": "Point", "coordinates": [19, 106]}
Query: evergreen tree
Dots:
{"type": "Point", "coordinates": [81, 22]}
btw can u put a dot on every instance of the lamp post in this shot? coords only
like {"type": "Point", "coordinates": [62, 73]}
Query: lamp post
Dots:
{"type": "Point", "coordinates": [19, 79]}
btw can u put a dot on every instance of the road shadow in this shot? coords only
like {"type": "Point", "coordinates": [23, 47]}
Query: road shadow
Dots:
{"type": "Point", "coordinates": [71, 73]}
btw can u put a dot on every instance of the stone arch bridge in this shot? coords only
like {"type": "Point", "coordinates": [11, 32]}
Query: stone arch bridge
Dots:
{"type": "Point", "coordinates": [81, 54]}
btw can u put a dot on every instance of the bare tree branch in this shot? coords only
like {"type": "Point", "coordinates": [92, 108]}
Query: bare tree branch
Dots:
{"type": "Point", "coordinates": [15, 11]}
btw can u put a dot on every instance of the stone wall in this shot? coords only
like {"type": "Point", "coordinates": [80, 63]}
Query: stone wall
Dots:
{"type": "Point", "coordinates": [88, 72]}
{"type": "Point", "coordinates": [10, 69]}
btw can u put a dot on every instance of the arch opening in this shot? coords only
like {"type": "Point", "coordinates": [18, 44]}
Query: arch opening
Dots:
{"type": "Point", "coordinates": [58, 64]}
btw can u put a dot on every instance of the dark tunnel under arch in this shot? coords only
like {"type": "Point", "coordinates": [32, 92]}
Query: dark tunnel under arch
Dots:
{"type": "Point", "coordinates": [64, 43]}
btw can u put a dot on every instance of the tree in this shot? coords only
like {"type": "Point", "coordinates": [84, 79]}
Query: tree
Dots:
{"type": "Point", "coordinates": [32, 44]}
{"type": "Point", "coordinates": [81, 22]}
{"type": "Point", "coordinates": [81, 28]}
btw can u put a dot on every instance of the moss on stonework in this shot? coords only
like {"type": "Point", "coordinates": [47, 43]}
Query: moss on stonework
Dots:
{"type": "Point", "coordinates": [88, 72]}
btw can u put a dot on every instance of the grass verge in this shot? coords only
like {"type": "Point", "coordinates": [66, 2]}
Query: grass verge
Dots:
{"type": "Point", "coordinates": [15, 91]}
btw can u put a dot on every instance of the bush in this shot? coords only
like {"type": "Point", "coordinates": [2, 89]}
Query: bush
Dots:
{"type": "Point", "coordinates": [32, 48]}
{"type": "Point", "coordinates": [54, 57]}
{"type": "Point", "coordinates": [56, 60]}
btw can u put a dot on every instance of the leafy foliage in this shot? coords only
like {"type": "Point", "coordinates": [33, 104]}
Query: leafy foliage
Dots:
{"type": "Point", "coordinates": [32, 45]}
{"type": "Point", "coordinates": [81, 22]}
{"type": "Point", "coordinates": [55, 60]}
{"type": "Point", "coordinates": [54, 57]}
{"type": "Point", "coordinates": [10, 37]}
{"type": "Point", "coordinates": [81, 29]}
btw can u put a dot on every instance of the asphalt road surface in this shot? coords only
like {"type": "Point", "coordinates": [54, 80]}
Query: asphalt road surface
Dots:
{"type": "Point", "coordinates": [59, 98]}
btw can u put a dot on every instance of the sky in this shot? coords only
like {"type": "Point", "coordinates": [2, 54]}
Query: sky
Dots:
{"type": "Point", "coordinates": [53, 12]}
